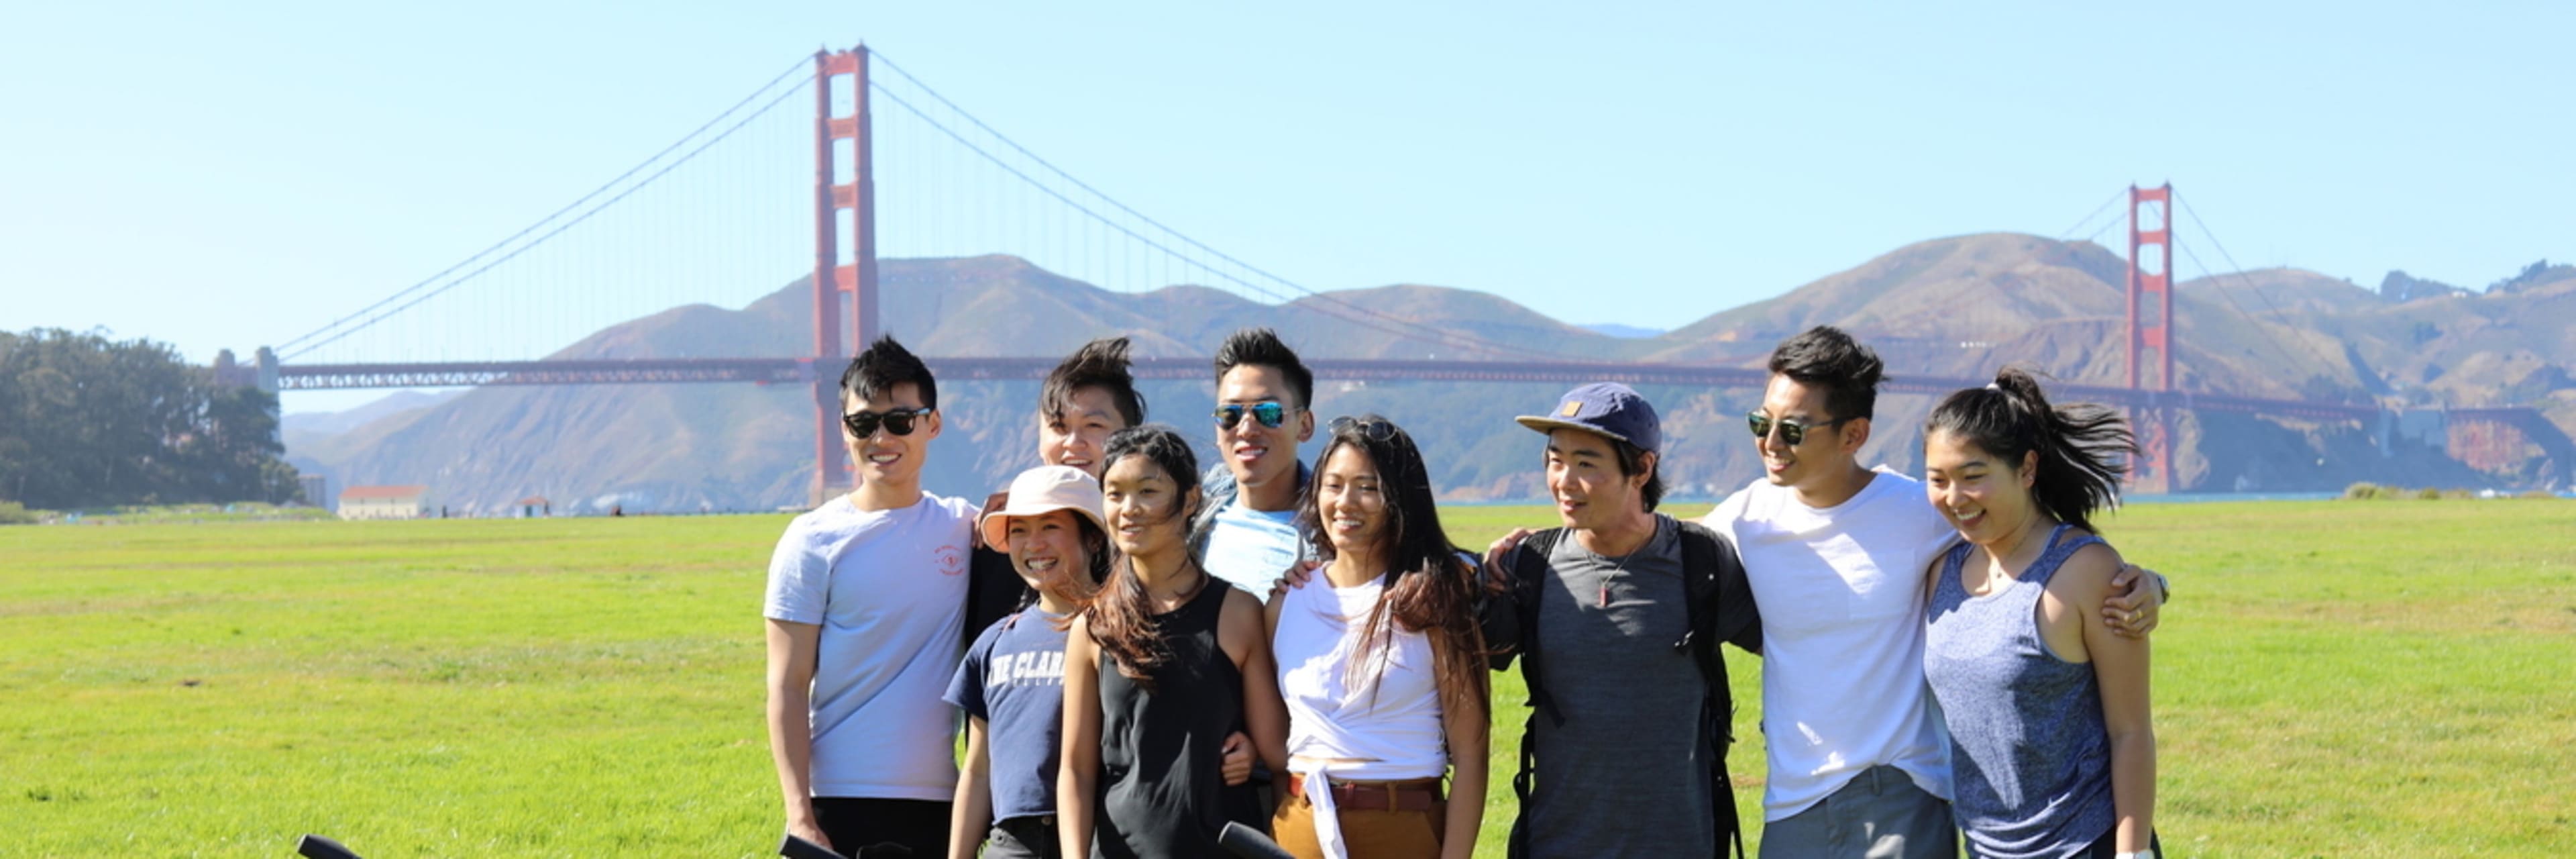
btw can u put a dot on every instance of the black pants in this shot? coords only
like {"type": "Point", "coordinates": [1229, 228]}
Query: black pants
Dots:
{"type": "Point", "coordinates": [1023, 838]}
{"type": "Point", "coordinates": [857, 824]}
{"type": "Point", "coordinates": [2110, 845]}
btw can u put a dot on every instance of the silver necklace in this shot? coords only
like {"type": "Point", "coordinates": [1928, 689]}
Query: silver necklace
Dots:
{"type": "Point", "coordinates": [1621, 568]}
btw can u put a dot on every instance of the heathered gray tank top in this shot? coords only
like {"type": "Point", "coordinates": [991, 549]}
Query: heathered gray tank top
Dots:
{"type": "Point", "coordinates": [2030, 759]}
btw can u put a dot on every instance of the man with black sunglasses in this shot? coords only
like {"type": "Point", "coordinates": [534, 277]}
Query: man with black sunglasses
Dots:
{"type": "Point", "coordinates": [1246, 532]}
{"type": "Point", "coordinates": [1835, 553]}
{"type": "Point", "coordinates": [866, 609]}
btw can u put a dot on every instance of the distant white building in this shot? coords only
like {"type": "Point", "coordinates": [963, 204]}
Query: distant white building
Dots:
{"type": "Point", "coordinates": [384, 502]}
{"type": "Point", "coordinates": [533, 507]}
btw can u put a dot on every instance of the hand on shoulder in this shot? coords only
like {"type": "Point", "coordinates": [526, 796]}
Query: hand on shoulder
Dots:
{"type": "Point", "coordinates": [2085, 578]}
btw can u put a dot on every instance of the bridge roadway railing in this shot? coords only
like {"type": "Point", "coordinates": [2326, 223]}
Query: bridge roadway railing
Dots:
{"type": "Point", "coordinates": [2553, 442]}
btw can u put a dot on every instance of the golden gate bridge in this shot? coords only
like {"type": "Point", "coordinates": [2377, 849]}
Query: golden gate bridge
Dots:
{"type": "Point", "coordinates": [962, 188]}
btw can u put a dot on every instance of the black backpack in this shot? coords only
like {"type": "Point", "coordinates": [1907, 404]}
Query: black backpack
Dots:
{"type": "Point", "coordinates": [1712, 577]}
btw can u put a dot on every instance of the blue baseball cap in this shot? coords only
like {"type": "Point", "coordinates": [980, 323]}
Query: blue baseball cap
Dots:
{"type": "Point", "coordinates": [1604, 408]}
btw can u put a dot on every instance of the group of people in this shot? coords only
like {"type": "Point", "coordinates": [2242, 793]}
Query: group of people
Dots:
{"type": "Point", "coordinates": [1143, 651]}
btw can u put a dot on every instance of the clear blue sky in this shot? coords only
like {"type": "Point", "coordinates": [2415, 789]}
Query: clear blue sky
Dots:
{"type": "Point", "coordinates": [227, 175]}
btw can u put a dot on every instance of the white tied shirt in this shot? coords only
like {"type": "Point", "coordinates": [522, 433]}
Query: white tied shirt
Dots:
{"type": "Point", "coordinates": [1382, 724]}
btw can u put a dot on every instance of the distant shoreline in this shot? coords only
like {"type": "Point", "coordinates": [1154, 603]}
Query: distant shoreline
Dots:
{"type": "Point", "coordinates": [2169, 498]}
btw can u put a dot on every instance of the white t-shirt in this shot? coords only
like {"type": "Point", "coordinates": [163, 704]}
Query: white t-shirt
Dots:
{"type": "Point", "coordinates": [888, 588]}
{"type": "Point", "coordinates": [1841, 592]}
{"type": "Point", "coordinates": [1250, 548]}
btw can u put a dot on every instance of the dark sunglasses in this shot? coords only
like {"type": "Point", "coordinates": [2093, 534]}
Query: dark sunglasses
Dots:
{"type": "Point", "coordinates": [1791, 432]}
{"type": "Point", "coordinates": [899, 422]}
{"type": "Point", "coordinates": [1270, 413]}
{"type": "Point", "coordinates": [1373, 429]}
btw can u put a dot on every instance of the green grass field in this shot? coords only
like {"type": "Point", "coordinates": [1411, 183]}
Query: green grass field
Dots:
{"type": "Point", "coordinates": [2375, 679]}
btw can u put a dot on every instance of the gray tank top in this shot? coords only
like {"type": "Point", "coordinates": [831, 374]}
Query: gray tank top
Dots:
{"type": "Point", "coordinates": [2030, 758]}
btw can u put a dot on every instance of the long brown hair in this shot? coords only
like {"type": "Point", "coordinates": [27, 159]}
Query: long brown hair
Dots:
{"type": "Point", "coordinates": [1121, 617]}
{"type": "Point", "coordinates": [1429, 587]}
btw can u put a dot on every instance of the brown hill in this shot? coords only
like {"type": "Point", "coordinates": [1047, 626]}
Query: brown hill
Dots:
{"type": "Point", "coordinates": [1950, 307]}
{"type": "Point", "coordinates": [1968, 306]}
{"type": "Point", "coordinates": [688, 447]}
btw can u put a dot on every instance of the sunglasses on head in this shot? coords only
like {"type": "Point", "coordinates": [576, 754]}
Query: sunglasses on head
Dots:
{"type": "Point", "coordinates": [1269, 412]}
{"type": "Point", "coordinates": [1373, 429]}
{"type": "Point", "coordinates": [899, 421]}
{"type": "Point", "coordinates": [1791, 432]}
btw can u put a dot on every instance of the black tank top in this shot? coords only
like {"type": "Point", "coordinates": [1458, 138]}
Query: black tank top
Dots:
{"type": "Point", "coordinates": [1162, 792]}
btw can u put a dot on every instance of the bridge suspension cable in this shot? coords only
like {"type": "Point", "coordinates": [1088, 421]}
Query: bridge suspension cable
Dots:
{"type": "Point", "coordinates": [2323, 362]}
{"type": "Point", "coordinates": [1176, 243]}
{"type": "Point", "coordinates": [2106, 206]}
{"type": "Point", "coordinates": [513, 246]}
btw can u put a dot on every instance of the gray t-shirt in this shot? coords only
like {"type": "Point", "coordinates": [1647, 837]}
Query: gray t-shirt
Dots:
{"type": "Point", "coordinates": [1627, 775]}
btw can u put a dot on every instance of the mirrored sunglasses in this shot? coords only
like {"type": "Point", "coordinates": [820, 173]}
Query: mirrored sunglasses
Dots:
{"type": "Point", "coordinates": [1269, 412]}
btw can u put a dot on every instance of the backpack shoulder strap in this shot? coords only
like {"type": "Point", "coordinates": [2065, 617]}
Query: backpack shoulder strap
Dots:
{"type": "Point", "coordinates": [1529, 568]}
{"type": "Point", "coordinates": [1704, 580]}
{"type": "Point", "coordinates": [1703, 559]}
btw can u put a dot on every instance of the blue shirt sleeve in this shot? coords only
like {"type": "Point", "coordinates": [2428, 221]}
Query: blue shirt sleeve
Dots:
{"type": "Point", "coordinates": [966, 689]}
{"type": "Point", "coordinates": [800, 577]}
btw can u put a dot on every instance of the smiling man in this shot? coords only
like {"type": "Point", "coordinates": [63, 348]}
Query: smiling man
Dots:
{"type": "Point", "coordinates": [1247, 533]}
{"type": "Point", "coordinates": [1858, 764]}
{"type": "Point", "coordinates": [1088, 396]}
{"type": "Point", "coordinates": [1615, 619]}
{"type": "Point", "coordinates": [866, 615]}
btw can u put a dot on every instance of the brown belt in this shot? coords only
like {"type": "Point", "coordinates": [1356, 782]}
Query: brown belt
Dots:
{"type": "Point", "coordinates": [1416, 795]}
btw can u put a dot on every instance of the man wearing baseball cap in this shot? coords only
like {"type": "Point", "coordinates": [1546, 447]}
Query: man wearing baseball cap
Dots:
{"type": "Point", "coordinates": [1615, 618]}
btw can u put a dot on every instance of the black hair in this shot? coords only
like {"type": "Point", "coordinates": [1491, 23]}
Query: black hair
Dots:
{"type": "Point", "coordinates": [1099, 364]}
{"type": "Point", "coordinates": [1122, 620]}
{"type": "Point", "coordinates": [1428, 588]}
{"type": "Point", "coordinates": [1095, 546]}
{"type": "Point", "coordinates": [2083, 448]}
{"type": "Point", "coordinates": [1632, 459]}
{"type": "Point", "coordinates": [1261, 347]}
{"type": "Point", "coordinates": [1825, 357]}
{"type": "Point", "coordinates": [1162, 444]}
{"type": "Point", "coordinates": [884, 365]}
{"type": "Point", "coordinates": [1095, 543]}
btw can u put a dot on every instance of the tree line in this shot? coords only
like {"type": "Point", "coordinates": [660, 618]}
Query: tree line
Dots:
{"type": "Point", "coordinates": [89, 422]}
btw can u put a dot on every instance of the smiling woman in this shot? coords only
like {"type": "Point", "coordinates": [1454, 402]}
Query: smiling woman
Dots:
{"type": "Point", "coordinates": [2048, 714]}
{"type": "Point", "coordinates": [1380, 663]}
{"type": "Point", "coordinates": [1166, 664]}
{"type": "Point", "coordinates": [1011, 685]}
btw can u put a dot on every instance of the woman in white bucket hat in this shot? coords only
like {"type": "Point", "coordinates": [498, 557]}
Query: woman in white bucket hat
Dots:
{"type": "Point", "coordinates": [1011, 685]}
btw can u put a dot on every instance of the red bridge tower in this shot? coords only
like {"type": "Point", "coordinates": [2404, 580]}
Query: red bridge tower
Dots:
{"type": "Point", "coordinates": [2151, 318]}
{"type": "Point", "coordinates": [831, 276]}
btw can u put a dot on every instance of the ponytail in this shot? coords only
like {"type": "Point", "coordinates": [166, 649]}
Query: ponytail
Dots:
{"type": "Point", "coordinates": [2083, 448]}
